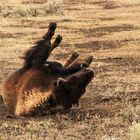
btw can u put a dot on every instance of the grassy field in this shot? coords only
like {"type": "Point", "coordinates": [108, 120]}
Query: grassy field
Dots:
{"type": "Point", "coordinates": [107, 29]}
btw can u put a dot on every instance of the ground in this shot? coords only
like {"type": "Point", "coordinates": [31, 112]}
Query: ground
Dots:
{"type": "Point", "coordinates": [106, 29]}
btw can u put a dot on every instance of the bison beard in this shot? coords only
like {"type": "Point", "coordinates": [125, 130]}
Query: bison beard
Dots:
{"type": "Point", "coordinates": [41, 85]}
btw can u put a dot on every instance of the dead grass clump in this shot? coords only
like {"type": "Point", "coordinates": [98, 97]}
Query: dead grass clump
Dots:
{"type": "Point", "coordinates": [10, 11]}
{"type": "Point", "coordinates": [128, 2]}
{"type": "Point", "coordinates": [52, 6]}
{"type": "Point", "coordinates": [22, 10]}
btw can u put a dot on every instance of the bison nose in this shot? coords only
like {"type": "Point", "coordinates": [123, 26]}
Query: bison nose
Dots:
{"type": "Point", "coordinates": [89, 71]}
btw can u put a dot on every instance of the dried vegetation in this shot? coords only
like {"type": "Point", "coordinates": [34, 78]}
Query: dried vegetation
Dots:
{"type": "Point", "coordinates": [107, 29]}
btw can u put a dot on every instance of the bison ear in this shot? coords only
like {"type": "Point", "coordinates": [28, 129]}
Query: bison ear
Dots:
{"type": "Point", "coordinates": [60, 82]}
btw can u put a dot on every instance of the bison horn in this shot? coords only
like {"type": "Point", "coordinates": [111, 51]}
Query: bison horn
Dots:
{"type": "Point", "coordinates": [60, 81]}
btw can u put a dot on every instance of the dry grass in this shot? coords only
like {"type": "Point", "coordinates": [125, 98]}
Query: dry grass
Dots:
{"type": "Point", "coordinates": [23, 9]}
{"type": "Point", "coordinates": [128, 2]}
{"type": "Point", "coordinates": [107, 29]}
{"type": "Point", "coordinates": [135, 131]}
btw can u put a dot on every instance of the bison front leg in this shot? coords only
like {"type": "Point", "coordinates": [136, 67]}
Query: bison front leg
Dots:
{"type": "Point", "coordinates": [84, 63]}
{"type": "Point", "coordinates": [71, 59]}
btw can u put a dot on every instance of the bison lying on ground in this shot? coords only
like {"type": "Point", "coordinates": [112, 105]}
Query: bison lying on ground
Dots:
{"type": "Point", "coordinates": [41, 85]}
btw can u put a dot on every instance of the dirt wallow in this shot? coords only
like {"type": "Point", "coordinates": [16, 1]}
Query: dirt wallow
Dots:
{"type": "Point", "coordinates": [41, 85]}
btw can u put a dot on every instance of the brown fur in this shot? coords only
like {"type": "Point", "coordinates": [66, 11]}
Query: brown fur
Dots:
{"type": "Point", "coordinates": [36, 87]}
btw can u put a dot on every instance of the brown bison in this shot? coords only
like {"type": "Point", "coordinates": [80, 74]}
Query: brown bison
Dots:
{"type": "Point", "coordinates": [41, 85]}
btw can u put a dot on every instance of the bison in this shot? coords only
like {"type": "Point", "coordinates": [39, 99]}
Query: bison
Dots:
{"type": "Point", "coordinates": [41, 85]}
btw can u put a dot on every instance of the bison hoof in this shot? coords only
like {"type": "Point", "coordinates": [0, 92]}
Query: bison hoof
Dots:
{"type": "Point", "coordinates": [59, 38]}
{"type": "Point", "coordinates": [9, 116]}
{"type": "Point", "coordinates": [52, 26]}
{"type": "Point", "coordinates": [75, 55]}
{"type": "Point", "coordinates": [84, 65]}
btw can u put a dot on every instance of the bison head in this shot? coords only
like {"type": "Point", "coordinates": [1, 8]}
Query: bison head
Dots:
{"type": "Point", "coordinates": [67, 92]}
